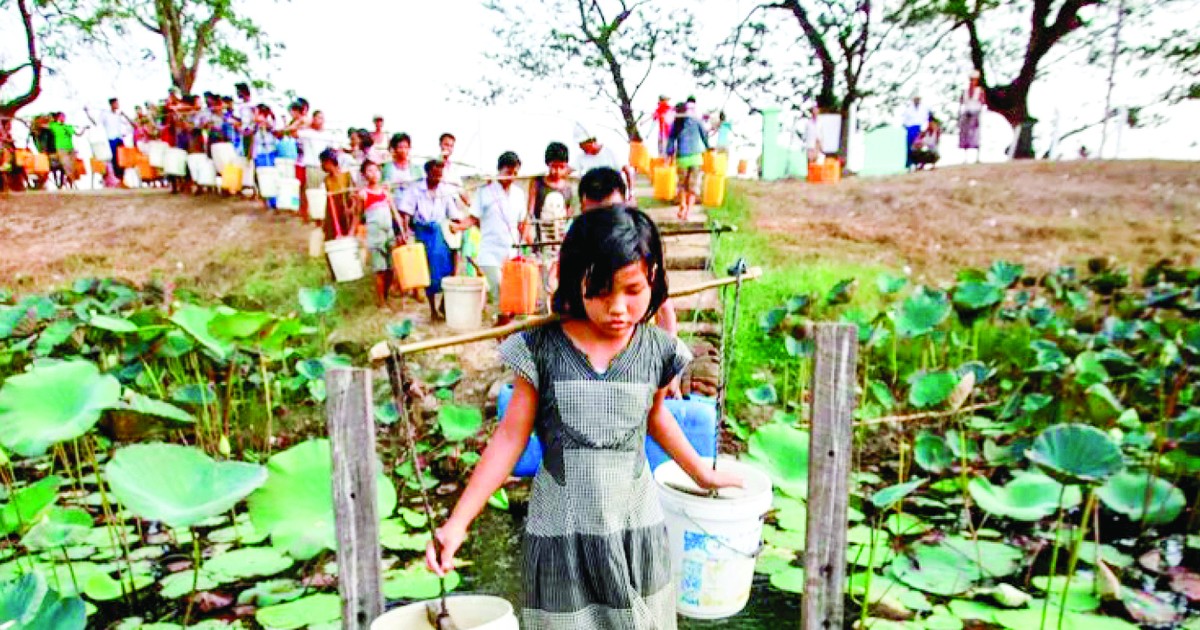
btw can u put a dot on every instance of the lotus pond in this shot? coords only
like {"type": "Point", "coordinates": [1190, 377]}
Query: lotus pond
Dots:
{"type": "Point", "coordinates": [1027, 456]}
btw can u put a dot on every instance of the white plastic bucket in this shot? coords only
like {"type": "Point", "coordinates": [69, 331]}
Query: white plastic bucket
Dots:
{"type": "Point", "coordinates": [288, 194]}
{"type": "Point", "coordinates": [344, 259]}
{"type": "Point", "coordinates": [156, 153]}
{"type": "Point", "coordinates": [477, 612]}
{"type": "Point", "coordinates": [287, 168]}
{"type": "Point", "coordinates": [203, 171]}
{"type": "Point", "coordinates": [222, 154]}
{"type": "Point", "coordinates": [132, 178]}
{"type": "Point", "coordinates": [175, 162]}
{"type": "Point", "coordinates": [268, 181]}
{"type": "Point", "coordinates": [102, 151]}
{"type": "Point", "coordinates": [714, 541]}
{"type": "Point", "coordinates": [247, 174]}
{"type": "Point", "coordinates": [316, 203]}
{"type": "Point", "coordinates": [465, 297]}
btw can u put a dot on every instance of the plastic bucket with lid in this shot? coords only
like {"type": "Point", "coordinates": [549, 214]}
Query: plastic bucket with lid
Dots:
{"type": "Point", "coordinates": [156, 151]}
{"type": "Point", "coordinates": [268, 181]}
{"type": "Point", "coordinates": [175, 162]}
{"type": "Point", "coordinates": [316, 203]}
{"type": "Point", "coordinates": [713, 541]}
{"type": "Point", "coordinates": [464, 300]}
{"type": "Point", "coordinates": [344, 259]}
{"type": "Point", "coordinates": [474, 612]}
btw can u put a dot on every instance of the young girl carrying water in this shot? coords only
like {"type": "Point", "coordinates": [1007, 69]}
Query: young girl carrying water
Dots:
{"type": "Point", "coordinates": [595, 546]}
{"type": "Point", "coordinates": [380, 216]}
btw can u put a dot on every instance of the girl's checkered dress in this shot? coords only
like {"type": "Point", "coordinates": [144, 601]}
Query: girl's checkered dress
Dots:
{"type": "Point", "coordinates": [596, 551]}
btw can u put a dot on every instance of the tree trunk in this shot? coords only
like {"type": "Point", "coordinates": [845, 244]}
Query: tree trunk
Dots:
{"type": "Point", "coordinates": [11, 106]}
{"type": "Point", "coordinates": [624, 101]}
{"type": "Point", "coordinates": [844, 144]}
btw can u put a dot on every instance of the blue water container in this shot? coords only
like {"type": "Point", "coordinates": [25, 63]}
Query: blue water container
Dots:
{"type": "Point", "coordinates": [697, 416]}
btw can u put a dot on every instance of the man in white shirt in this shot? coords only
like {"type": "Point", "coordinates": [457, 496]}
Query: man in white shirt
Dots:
{"type": "Point", "coordinates": [914, 119]}
{"type": "Point", "coordinates": [115, 125]}
{"type": "Point", "coordinates": [498, 210]}
{"type": "Point", "coordinates": [595, 155]}
{"type": "Point", "coordinates": [244, 112]}
{"type": "Point", "coordinates": [428, 205]}
{"type": "Point", "coordinates": [313, 141]}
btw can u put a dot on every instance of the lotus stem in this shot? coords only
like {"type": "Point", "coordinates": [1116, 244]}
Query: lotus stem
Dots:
{"type": "Point", "coordinates": [1075, 540]}
{"type": "Point", "coordinates": [262, 367]}
{"type": "Point", "coordinates": [187, 615]}
{"type": "Point", "coordinates": [70, 569]}
{"type": "Point", "coordinates": [110, 518]}
{"type": "Point", "coordinates": [1057, 543]}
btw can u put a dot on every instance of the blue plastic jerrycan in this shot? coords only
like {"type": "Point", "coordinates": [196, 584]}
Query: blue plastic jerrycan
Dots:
{"type": "Point", "coordinates": [697, 416]}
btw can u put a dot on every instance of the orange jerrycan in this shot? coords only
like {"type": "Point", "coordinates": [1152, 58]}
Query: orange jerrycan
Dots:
{"type": "Point", "coordinates": [520, 280]}
{"type": "Point", "coordinates": [41, 164]}
{"type": "Point", "coordinates": [126, 156]}
{"type": "Point", "coordinates": [666, 180]}
{"type": "Point", "coordinates": [639, 157]}
{"type": "Point", "coordinates": [411, 266]}
{"type": "Point", "coordinates": [706, 164]}
{"type": "Point", "coordinates": [714, 191]}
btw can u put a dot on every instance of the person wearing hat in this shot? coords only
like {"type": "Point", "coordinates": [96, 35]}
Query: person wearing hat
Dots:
{"type": "Point", "coordinates": [594, 155]}
{"type": "Point", "coordinates": [970, 106]}
{"type": "Point", "coordinates": [914, 119]}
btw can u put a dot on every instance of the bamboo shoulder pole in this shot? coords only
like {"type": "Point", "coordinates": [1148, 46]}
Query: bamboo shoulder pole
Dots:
{"type": "Point", "coordinates": [384, 349]}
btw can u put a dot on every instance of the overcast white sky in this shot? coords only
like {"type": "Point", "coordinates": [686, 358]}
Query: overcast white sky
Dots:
{"type": "Point", "coordinates": [356, 58]}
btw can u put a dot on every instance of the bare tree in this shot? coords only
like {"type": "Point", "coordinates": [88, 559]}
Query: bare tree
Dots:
{"type": "Point", "coordinates": [32, 62]}
{"type": "Point", "coordinates": [609, 46]}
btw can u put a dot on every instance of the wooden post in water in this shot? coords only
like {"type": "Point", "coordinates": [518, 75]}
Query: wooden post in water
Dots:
{"type": "Point", "coordinates": [348, 409]}
{"type": "Point", "coordinates": [830, 447]}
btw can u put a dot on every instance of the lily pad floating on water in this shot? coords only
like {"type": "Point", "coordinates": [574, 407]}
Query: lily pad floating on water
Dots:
{"type": "Point", "coordinates": [248, 562]}
{"type": "Point", "coordinates": [178, 485]}
{"type": "Point", "coordinates": [416, 582]}
{"type": "Point", "coordinates": [296, 503]}
{"type": "Point", "coordinates": [314, 609]}
{"type": "Point", "coordinates": [27, 504]}
{"type": "Point", "coordinates": [28, 602]}
{"type": "Point", "coordinates": [953, 566]}
{"type": "Point", "coordinates": [177, 585]}
{"type": "Point", "coordinates": [271, 592]}
{"type": "Point", "coordinates": [102, 587]}
{"type": "Point", "coordinates": [1076, 453]}
{"type": "Point", "coordinates": [1029, 497]}
{"type": "Point", "coordinates": [1081, 592]}
{"type": "Point", "coordinates": [782, 452]}
{"type": "Point", "coordinates": [59, 527]}
{"type": "Point", "coordinates": [53, 403]}
{"type": "Point", "coordinates": [1139, 496]}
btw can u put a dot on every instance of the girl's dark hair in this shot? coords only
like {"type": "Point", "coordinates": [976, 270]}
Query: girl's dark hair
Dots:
{"type": "Point", "coordinates": [508, 158]}
{"type": "Point", "coordinates": [397, 138]}
{"type": "Point", "coordinates": [557, 152]}
{"type": "Point", "coordinates": [367, 163]}
{"type": "Point", "coordinates": [598, 245]}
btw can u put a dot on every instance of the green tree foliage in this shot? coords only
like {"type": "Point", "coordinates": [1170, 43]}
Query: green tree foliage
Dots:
{"type": "Point", "coordinates": [602, 46]}
{"type": "Point", "coordinates": [193, 32]}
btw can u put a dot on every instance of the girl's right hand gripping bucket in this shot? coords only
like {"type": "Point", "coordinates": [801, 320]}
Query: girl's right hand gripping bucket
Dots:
{"type": "Point", "coordinates": [714, 541]}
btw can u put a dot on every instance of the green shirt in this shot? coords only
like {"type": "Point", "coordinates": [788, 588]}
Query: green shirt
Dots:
{"type": "Point", "coordinates": [64, 136]}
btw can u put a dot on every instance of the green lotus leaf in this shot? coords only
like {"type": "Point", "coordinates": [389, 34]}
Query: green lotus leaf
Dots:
{"type": "Point", "coordinates": [841, 292]}
{"type": "Point", "coordinates": [244, 533]}
{"type": "Point", "coordinates": [248, 562]}
{"type": "Point", "coordinates": [416, 582]}
{"type": "Point", "coordinates": [1081, 593]}
{"type": "Point", "coordinates": [988, 559]}
{"type": "Point", "coordinates": [881, 589]}
{"type": "Point", "coordinates": [1004, 274]}
{"type": "Point", "coordinates": [413, 518]}
{"type": "Point", "coordinates": [26, 505]}
{"type": "Point", "coordinates": [782, 452]}
{"type": "Point", "coordinates": [306, 611]}
{"type": "Point", "coordinates": [974, 295]}
{"type": "Point", "coordinates": [401, 330]}
{"type": "Point", "coordinates": [315, 301]}
{"type": "Point", "coordinates": [1029, 497]}
{"type": "Point", "coordinates": [1076, 453]}
{"type": "Point", "coordinates": [295, 505]}
{"type": "Point", "coordinates": [762, 395]}
{"type": "Point", "coordinates": [934, 569]}
{"type": "Point", "coordinates": [112, 324]}
{"type": "Point", "coordinates": [271, 592]}
{"type": "Point", "coordinates": [790, 579]}
{"type": "Point", "coordinates": [1102, 404]}
{"type": "Point", "coordinates": [195, 320]}
{"type": "Point", "coordinates": [770, 320]}
{"type": "Point", "coordinates": [1089, 369]}
{"type": "Point", "coordinates": [931, 388]}
{"type": "Point", "coordinates": [459, 422]}
{"type": "Point", "coordinates": [784, 539]}
{"type": "Point", "coordinates": [449, 378]}
{"type": "Point", "coordinates": [177, 585]}
{"type": "Point", "coordinates": [772, 559]}
{"type": "Point", "coordinates": [888, 284]}
{"type": "Point", "coordinates": [931, 452]}
{"type": "Point", "coordinates": [791, 514]}
{"type": "Point", "coordinates": [393, 536]}
{"type": "Point", "coordinates": [102, 587]}
{"type": "Point", "coordinates": [59, 527]}
{"type": "Point", "coordinates": [53, 403]}
{"type": "Point", "coordinates": [178, 485]}
{"type": "Point", "coordinates": [891, 495]}
{"type": "Point", "coordinates": [969, 610]}
{"type": "Point", "coordinates": [905, 524]}
{"type": "Point", "coordinates": [1131, 492]}
{"type": "Point", "coordinates": [28, 603]}
{"type": "Point", "coordinates": [238, 324]}
{"type": "Point", "coordinates": [922, 312]}
{"type": "Point", "coordinates": [1048, 356]}
{"type": "Point", "coordinates": [54, 335]}
{"type": "Point", "coordinates": [139, 403]}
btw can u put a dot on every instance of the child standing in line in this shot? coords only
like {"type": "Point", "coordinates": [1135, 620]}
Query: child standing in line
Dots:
{"type": "Point", "coordinates": [378, 214]}
{"type": "Point", "coordinates": [264, 144]}
{"type": "Point", "coordinates": [550, 206]}
{"type": "Point", "coordinates": [592, 386]}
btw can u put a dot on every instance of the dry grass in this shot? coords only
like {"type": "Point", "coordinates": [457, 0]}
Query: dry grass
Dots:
{"type": "Point", "coordinates": [1041, 214]}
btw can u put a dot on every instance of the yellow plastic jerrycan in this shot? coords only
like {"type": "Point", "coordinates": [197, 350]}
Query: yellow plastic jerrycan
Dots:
{"type": "Point", "coordinates": [719, 164]}
{"type": "Point", "coordinates": [231, 178]}
{"type": "Point", "coordinates": [411, 266]}
{"type": "Point", "coordinates": [666, 180]}
{"type": "Point", "coordinates": [714, 191]}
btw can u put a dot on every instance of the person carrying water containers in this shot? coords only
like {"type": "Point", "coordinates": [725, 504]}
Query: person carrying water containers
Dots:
{"type": "Point", "coordinates": [116, 125]}
{"type": "Point", "coordinates": [498, 210]}
{"type": "Point", "coordinates": [915, 118]}
{"type": "Point", "coordinates": [596, 549]}
{"type": "Point", "coordinates": [428, 205]}
{"type": "Point", "coordinates": [550, 207]}
{"type": "Point", "coordinates": [594, 155]}
{"type": "Point", "coordinates": [263, 142]}
{"type": "Point", "coordinates": [380, 216]}
{"type": "Point", "coordinates": [686, 148]}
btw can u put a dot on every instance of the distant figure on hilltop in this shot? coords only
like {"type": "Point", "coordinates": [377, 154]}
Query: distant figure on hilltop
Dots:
{"type": "Point", "coordinates": [970, 107]}
{"type": "Point", "coordinates": [914, 119]}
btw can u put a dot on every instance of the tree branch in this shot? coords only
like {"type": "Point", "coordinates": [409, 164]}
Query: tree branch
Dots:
{"type": "Point", "coordinates": [35, 63]}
